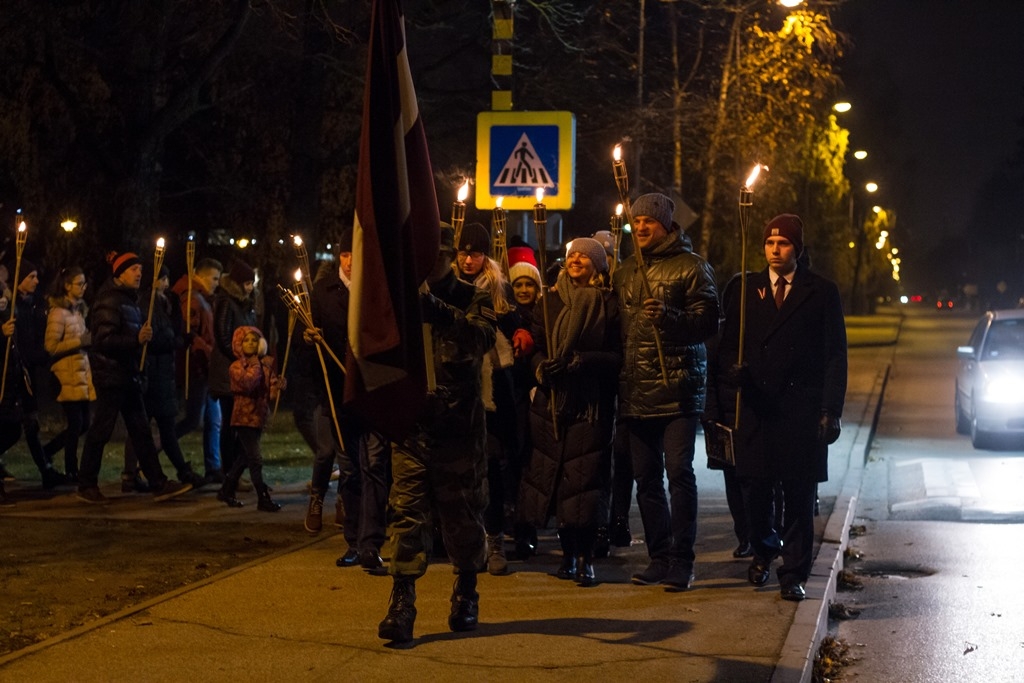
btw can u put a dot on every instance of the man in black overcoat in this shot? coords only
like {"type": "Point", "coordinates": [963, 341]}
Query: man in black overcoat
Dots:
{"type": "Point", "coordinates": [793, 386]}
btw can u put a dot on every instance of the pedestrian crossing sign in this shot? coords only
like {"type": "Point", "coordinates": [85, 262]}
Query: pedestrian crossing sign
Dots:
{"type": "Point", "coordinates": [520, 151]}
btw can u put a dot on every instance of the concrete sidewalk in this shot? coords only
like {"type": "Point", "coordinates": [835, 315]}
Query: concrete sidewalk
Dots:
{"type": "Point", "coordinates": [295, 616]}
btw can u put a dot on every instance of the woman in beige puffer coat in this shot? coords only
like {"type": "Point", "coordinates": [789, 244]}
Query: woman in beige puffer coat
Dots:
{"type": "Point", "coordinates": [67, 341]}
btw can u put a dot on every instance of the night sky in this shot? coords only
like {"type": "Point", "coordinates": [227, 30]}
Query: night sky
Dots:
{"type": "Point", "coordinates": [938, 93]}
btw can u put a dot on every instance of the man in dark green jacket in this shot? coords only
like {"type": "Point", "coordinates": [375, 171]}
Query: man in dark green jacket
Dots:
{"type": "Point", "coordinates": [661, 406]}
{"type": "Point", "coordinates": [443, 463]}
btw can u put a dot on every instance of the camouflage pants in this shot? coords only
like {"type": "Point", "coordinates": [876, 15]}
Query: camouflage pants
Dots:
{"type": "Point", "coordinates": [448, 478]}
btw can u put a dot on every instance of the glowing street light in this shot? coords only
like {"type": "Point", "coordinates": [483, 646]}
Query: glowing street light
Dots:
{"type": "Point", "coordinates": [841, 107]}
{"type": "Point", "coordinates": [871, 187]}
{"type": "Point", "coordinates": [69, 226]}
{"type": "Point", "coordinates": [860, 155]}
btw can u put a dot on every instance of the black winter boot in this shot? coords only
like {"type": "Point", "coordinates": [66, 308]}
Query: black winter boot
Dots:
{"type": "Point", "coordinates": [567, 570]}
{"type": "Point", "coordinates": [226, 494]}
{"type": "Point", "coordinates": [585, 538]}
{"type": "Point", "coordinates": [397, 625]}
{"type": "Point", "coordinates": [266, 503]}
{"type": "Point", "coordinates": [465, 603]}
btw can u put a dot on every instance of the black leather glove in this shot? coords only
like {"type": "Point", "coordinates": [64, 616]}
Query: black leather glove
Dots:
{"type": "Point", "coordinates": [829, 427]}
{"type": "Point", "coordinates": [736, 375]}
{"type": "Point", "coordinates": [553, 368]}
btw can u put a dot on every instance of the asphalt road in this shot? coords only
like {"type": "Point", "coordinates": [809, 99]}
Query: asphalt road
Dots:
{"type": "Point", "coordinates": [942, 551]}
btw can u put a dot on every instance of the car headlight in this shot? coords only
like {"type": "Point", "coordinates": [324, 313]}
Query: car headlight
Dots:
{"type": "Point", "coordinates": [1004, 389]}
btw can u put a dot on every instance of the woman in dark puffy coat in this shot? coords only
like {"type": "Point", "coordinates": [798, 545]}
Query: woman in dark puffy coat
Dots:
{"type": "Point", "coordinates": [161, 386]}
{"type": "Point", "coordinates": [577, 370]}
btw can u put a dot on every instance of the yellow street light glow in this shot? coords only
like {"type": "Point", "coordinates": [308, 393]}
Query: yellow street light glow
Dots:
{"type": "Point", "coordinates": [69, 225]}
{"type": "Point", "coordinates": [842, 107]}
{"type": "Point", "coordinates": [860, 154]}
{"type": "Point", "coordinates": [242, 243]}
{"type": "Point", "coordinates": [876, 208]}
{"type": "Point", "coordinates": [852, 245]}
{"type": "Point", "coordinates": [790, 3]}
{"type": "Point", "coordinates": [871, 187]}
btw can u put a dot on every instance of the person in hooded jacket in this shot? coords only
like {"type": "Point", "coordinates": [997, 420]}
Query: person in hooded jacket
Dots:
{"type": "Point", "coordinates": [577, 371]}
{"type": "Point", "coordinates": [661, 410]}
{"type": "Point", "coordinates": [255, 384]}
{"type": "Point", "coordinates": [233, 306]}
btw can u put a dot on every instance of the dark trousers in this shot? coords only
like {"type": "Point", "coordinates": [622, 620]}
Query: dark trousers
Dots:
{"type": "Point", "coordinates": [200, 407]}
{"type": "Point", "coordinates": [363, 460]}
{"type": "Point", "coordinates": [76, 417]}
{"type": "Point", "coordinates": [247, 454]}
{"type": "Point", "coordinates": [228, 436]}
{"type": "Point", "coordinates": [734, 498]}
{"type": "Point", "coordinates": [660, 446]}
{"type": "Point", "coordinates": [796, 541]}
{"type": "Point", "coordinates": [111, 402]}
{"type": "Point", "coordinates": [168, 442]}
{"type": "Point", "coordinates": [448, 477]}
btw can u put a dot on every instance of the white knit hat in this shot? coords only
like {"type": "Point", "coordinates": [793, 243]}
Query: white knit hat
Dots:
{"type": "Point", "coordinates": [524, 269]}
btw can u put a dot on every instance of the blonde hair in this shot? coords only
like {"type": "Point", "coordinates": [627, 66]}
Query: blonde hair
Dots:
{"type": "Point", "coordinates": [491, 280]}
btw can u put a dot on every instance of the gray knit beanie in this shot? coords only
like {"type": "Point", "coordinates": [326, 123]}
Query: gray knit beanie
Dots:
{"type": "Point", "coordinates": [590, 248]}
{"type": "Point", "coordinates": [654, 205]}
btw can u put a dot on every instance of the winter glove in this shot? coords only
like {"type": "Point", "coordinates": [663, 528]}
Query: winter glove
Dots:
{"type": "Point", "coordinates": [550, 370]}
{"type": "Point", "coordinates": [829, 427]}
{"type": "Point", "coordinates": [736, 375]}
{"type": "Point", "coordinates": [522, 343]}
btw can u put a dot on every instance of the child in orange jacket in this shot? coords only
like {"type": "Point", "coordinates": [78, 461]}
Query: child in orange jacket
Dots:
{"type": "Point", "coordinates": [254, 384]}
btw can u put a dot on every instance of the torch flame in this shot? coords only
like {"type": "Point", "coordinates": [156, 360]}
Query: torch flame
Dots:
{"type": "Point", "coordinates": [297, 240]}
{"type": "Point", "coordinates": [618, 210]}
{"type": "Point", "coordinates": [22, 227]}
{"type": "Point", "coordinates": [160, 243]}
{"type": "Point", "coordinates": [752, 178]}
{"type": "Point", "coordinates": [499, 200]}
{"type": "Point", "coordinates": [617, 153]}
{"type": "Point", "coordinates": [464, 191]}
{"type": "Point", "coordinates": [540, 195]}
{"type": "Point", "coordinates": [298, 274]}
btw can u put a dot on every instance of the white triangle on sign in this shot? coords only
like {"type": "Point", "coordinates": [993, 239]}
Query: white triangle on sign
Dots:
{"type": "Point", "coordinates": [524, 168]}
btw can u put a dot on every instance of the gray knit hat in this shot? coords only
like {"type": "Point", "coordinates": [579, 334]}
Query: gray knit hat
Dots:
{"type": "Point", "coordinates": [654, 205]}
{"type": "Point", "coordinates": [590, 248]}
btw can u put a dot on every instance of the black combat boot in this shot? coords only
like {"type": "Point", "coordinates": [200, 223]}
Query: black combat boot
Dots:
{"type": "Point", "coordinates": [266, 503]}
{"type": "Point", "coordinates": [397, 625]}
{"type": "Point", "coordinates": [465, 603]}
{"type": "Point", "coordinates": [567, 570]}
{"type": "Point", "coordinates": [226, 494]}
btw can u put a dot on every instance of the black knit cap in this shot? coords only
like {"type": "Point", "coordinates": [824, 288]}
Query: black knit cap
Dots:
{"type": "Point", "coordinates": [475, 238]}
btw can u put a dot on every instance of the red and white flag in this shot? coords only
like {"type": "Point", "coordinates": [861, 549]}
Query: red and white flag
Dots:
{"type": "Point", "coordinates": [396, 238]}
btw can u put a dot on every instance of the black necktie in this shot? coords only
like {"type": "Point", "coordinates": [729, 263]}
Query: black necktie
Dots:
{"type": "Point", "coordinates": [780, 292]}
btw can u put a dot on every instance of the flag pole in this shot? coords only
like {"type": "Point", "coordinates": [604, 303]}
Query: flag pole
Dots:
{"type": "Point", "coordinates": [190, 269]}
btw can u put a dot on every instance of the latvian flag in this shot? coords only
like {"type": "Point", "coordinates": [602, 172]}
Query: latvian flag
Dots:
{"type": "Point", "coordinates": [396, 238]}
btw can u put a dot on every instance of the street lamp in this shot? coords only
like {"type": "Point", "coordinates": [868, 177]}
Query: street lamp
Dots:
{"type": "Point", "coordinates": [842, 107]}
{"type": "Point", "coordinates": [69, 226]}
